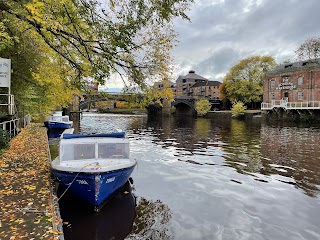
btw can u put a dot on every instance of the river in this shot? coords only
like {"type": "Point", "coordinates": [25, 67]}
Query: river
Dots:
{"type": "Point", "coordinates": [206, 179]}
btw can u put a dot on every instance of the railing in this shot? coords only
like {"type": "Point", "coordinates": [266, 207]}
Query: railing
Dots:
{"type": "Point", "coordinates": [12, 127]}
{"type": "Point", "coordinates": [290, 105]}
{"type": "Point", "coordinates": [10, 103]}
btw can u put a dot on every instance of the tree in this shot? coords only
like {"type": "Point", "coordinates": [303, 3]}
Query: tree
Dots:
{"type": "Point", "coordinates": [244, 81]}
{"type": "Point", "coordinates": [153, 95]}
{"type": "Point", "coordinates": [132, 38]}
{"type": "Point", "coordinates": [238, 109]}
{"type": "Point", "coordinates": [39, 80]}
{"type": "Point", "coordinates": [202, 107]}
{"type": "Point", "coordinates": [5, 39]}
{"type": "Point", "coordinates": [79, 39]}
{"type": "Point", "coordinates": [310, 49]}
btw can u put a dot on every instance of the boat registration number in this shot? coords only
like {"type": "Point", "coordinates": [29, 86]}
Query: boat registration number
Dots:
{"type": "Point", "coordinates": [109, 180]}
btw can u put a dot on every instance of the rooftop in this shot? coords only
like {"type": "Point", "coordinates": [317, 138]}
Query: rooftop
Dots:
{"type": "Point", "coordinates": [295, 66]}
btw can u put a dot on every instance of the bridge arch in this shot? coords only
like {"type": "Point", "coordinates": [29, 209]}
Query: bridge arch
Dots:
{"type": "Point", "coordinates": [184, 105]}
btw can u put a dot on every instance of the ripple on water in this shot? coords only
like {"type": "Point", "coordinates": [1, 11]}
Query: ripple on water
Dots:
{"type": "Point", "coordinates": [220, 179]}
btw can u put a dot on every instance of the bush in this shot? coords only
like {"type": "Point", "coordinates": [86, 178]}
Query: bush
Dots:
{"type": "Point", "coordinates": [4, 139]}
{"type": "Point", "coordinates": [104, 106]}
{"type": "Point", "coordinates": [122, 105]}
{"type": "Point", "coordinates": [202, 107]}
{"type": "Point", "coordinates": [238, 109]}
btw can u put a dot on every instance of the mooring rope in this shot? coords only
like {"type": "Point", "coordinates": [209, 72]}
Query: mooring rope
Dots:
{"type": "Point", "coordinates": [75, 179]}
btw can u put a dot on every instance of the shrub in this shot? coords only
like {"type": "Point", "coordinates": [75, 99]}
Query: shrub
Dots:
{"type": "Point", "coordinates": [203, 107]}
{"type": "Point", "coordinates": [122, 105]}
{"type": "Point", "coordinates": [104, 106]}
{"type": "Point", "coordinates": [238, 109]}
{"type": "Point", "coordinates": [4, 139]}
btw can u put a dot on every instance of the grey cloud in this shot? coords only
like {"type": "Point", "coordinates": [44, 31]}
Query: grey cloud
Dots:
{"type": "Point", "coordinates": [224, 32]}
{"type": "Point", "coordinates": [218, 63]}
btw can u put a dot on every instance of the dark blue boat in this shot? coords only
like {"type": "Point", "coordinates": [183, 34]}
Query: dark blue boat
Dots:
{"type": "Point", "coordinates": [58, 122]}
{"type": "Point", "coordinates": [93, 167]}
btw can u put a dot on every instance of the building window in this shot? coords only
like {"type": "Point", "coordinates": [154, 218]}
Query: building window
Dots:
{"type": "Point", "coordinates": [272, 83]}
{"type": "Point", "coordinates": [300, 95]}
{"type": "Point", "coordinates": [300, 80]}
{"type": "Point", "coordinates": [273, 97]}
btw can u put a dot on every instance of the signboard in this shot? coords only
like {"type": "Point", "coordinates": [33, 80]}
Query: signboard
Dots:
{"type": "Point", "coordinates": [5, 72]}
{"type": "Point", "coordinates": [286, 85]}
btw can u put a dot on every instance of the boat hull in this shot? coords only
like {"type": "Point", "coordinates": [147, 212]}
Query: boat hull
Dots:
{"type": "Point", "coordinates": [94, 188]}
{"type": "Point", "coordinates": [57, 125]}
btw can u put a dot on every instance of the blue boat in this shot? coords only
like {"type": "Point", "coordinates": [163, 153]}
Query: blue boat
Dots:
{"type": "Point", "coordinates": [93, 167]}
{"type": "Point", "coordinates": [55, 122]}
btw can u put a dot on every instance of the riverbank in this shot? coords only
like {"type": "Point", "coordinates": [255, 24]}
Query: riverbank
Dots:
{"type": "Point", "coordinates": [26, 199]}
{"type": "Point", "coordinates": [227, 114]}
{"type": "Point", "coordinates": [123, 111]}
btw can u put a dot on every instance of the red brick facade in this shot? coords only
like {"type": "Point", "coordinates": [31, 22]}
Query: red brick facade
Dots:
{"type": "Point", "coordinates": [196, 86]}
{"type": "Point", "coordinates": [296, 83]}
{"type": "Point", "coordinates": [208, 90]}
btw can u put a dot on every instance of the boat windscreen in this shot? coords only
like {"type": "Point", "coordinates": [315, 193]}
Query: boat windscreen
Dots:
{"type": "Point", "coordinates": [113, 150]}
{"type": "Point", "coordinates": [71, 152]}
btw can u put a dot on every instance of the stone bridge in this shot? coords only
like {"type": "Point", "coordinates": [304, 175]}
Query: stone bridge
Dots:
{"type": "Point", "coordinates": [184, 105]}
{"type": "Point", "coordinates": [86, 104]}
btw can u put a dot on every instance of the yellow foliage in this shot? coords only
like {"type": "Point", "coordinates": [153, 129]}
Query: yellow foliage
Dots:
{"type": "Point", "coordinates": [122, 105]}
{"type": "Point", "coordinates": [52, 77]}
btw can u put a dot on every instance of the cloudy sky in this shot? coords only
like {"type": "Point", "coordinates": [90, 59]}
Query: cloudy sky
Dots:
{"type": "Point", "coordinates": [222, 32]}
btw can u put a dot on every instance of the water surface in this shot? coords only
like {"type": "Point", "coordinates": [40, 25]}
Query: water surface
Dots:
{"type": "Point", "coordinates": [210, 179]}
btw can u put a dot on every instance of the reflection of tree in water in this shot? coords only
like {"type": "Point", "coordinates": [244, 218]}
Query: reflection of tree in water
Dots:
{"type": "Point", "coordinates": [151, 220]}
{"type": "Point", "coordinates": [243, 147]}
{"type": "Point", "coordinates": [183, 132]}
{"type": "Point", "coordinates": [202, 128]}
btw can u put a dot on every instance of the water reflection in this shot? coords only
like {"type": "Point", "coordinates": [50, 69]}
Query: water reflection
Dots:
{"type": "Point", "coordinates": [294, 154]}
{"type": "Point", "coordinates": [114, 221]}
{"type": "Point", "coordinates": [220, 178]}
{"type": "Point", "coordinates": [152, 221]}
{"type": "Point", "coordinates": [253, 149]}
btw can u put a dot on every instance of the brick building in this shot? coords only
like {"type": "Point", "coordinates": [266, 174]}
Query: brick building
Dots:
{"type": "Point", "coordinates": [160, 86]}
{"type": "Point", "coordinates": [184, 83]}
{"type": "Point", "coordinates": [293, 86]}
{"type": "Point", "coordinates": [196, 86]}
{"type": "Point", "coordinates": [208, 89]}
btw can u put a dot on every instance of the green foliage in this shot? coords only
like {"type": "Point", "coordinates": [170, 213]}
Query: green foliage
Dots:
{"type": "Point", "coordinates": [238, 109]}
{"type": "Point", "coordinates": [244, 81]}
{"type": "Point", "coordinates": [4, 139]}
{"type": "Point", "coordinates": [5, 39]}
{"type": "Point", "coordinates": [104, 106]}
{"type": "Point", "coordinates": [132, 38]}
{"type": "Point", "coordinates": [202, 107]}
{"type": "Point", "coordinates": [56, 46]}
{"type": "Point", "coordinates": [153, 95]}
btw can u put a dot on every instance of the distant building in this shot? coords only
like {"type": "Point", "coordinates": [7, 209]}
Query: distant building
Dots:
{"type": "Point", "coordinates": [196, 86]}
{"type": "Point", "coordinates": [293, 86]}
{"type": "Point", "coordinates": [159, 85]}
{"type": "Point", "coordinates": [208, 89]}
{"type": "Point", "coordinates": [184, 83]}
